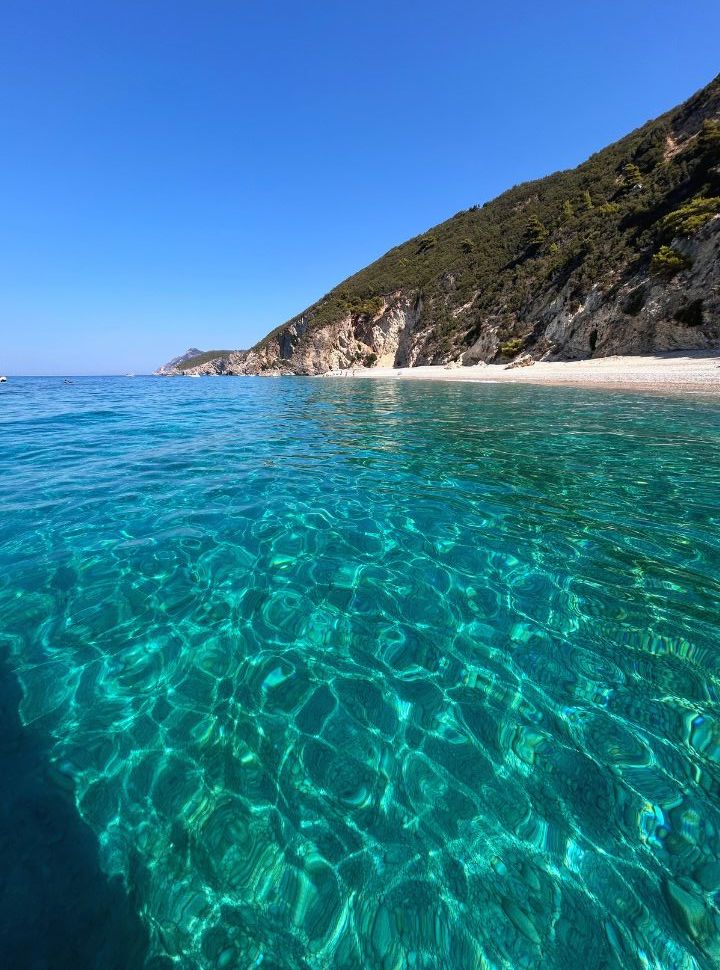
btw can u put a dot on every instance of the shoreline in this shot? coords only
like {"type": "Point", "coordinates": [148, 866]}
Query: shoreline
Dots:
{"type": "Point", "coordinates": [693, 372]}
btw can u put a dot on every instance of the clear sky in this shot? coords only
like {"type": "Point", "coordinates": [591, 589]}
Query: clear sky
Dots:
{"type": "Point", "coordinates": [181, 173]}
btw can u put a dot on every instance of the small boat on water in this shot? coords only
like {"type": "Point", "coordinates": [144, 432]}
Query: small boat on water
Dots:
{"type": "Point", "coordinates": [3, 379]}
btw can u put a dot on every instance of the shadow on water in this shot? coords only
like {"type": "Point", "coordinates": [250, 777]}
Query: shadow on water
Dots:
{"type": "Point", "coordinates": [58, 910]}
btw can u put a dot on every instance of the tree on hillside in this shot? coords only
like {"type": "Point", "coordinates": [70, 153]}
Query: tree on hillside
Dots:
{"type": "Point", "coordinates": [709, 138]}
{"type": "Point", "coordinates": [632, 176]}
{"type": "Point", "coordinates": [535, 233]}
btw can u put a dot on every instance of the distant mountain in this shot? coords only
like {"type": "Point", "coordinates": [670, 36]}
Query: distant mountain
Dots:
{"type": "Point", "coordinates": [620, 255]}
{"type": "Point", "coordinates": [172, 366]}
{"type": "Point", "coordinates": [192, 355]}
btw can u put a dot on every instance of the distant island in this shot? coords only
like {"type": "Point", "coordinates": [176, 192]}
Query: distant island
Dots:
{"type": "Point", "coordinates": [617, 256]}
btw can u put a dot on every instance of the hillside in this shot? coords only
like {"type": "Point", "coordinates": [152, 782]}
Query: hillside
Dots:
{"type": "Point", "coordinates": [173, 366]}
{"type": "Point", "coordinates": [192, 357]}
{"type": "Point", "coordinates": [619, 255]}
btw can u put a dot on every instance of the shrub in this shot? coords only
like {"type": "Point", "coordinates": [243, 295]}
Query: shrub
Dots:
{"type": "Point", "coordinates": [425, 244]}
{"type": "Point", "coordinates": [651, 150]}
{"type": "Point", "coordinates": [467, 245]}
{"type": "Point", "coordinates": [709, 138]}
{"type": "Point", "coordinates": [691, 217]}
{"type": "Point", "coordinates": [667, 262]}
{"type": "Point", "coordinates": [371, 360]}
{"type": "Point", "coordinates": [535, 232]}
{"type": "Point", "coordinates": [632, 176]}
{"type": "Point", "coordinates": [511, 347]}
{"type": "Point", "coordinates": [370, 307]}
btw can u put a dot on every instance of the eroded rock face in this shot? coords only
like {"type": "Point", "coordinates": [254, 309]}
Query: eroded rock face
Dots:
{"type": "Point", "coordinates": [485, 347]}
{"type": "Point", "coordinates": [394, 335]}
{"type": "Point", "coordinates": [645, 314]}
{"type": "Point", "coordinates": [388, 339]}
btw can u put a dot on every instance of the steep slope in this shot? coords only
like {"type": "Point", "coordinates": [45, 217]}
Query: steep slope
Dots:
{"type": "Point", "coordinates": [619, 255]}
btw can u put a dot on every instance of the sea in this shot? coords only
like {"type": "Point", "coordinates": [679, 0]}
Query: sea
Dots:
{"type": "Point", "coordinates": [321, 673]}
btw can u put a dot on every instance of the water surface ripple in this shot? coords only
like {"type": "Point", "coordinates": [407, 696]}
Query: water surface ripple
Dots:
{"type": "Point", "coordinates": [377, 674]}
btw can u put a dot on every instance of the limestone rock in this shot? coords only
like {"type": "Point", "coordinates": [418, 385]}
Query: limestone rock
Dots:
{"type": "Point", "coordinates": [523, 360]}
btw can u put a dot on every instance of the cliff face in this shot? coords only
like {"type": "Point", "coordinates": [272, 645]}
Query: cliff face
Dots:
{"type": "Point", "coordinates": [636, 314]}
{"type": "Point", "coordinates": [387, 339]}
{"type": "Point", "coordinates": [618, 256]}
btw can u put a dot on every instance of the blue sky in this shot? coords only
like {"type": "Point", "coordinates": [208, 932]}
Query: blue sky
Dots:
{"type": "Point", "coordinates": [180, 173]}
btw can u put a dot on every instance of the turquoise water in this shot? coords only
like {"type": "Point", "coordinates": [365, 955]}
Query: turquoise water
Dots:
{"type": "Point", "coordinates": [376, 674]}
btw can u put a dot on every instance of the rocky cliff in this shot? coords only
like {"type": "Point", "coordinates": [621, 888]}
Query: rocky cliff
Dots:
{"type": "Point", "coordinates": [618, 256]}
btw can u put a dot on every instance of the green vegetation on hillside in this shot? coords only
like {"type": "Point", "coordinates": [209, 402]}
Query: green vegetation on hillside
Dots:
{"type": "Point", "coordinates": [668, 262]}
{"type": "Point", "coordinates": [690, 217]}
{"type": "Point", "coordinates": [511, 347]}
{"type": "Point", "coordinates": [203, 359]}
{"type": "Point", "coordinates": [592, 226]}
